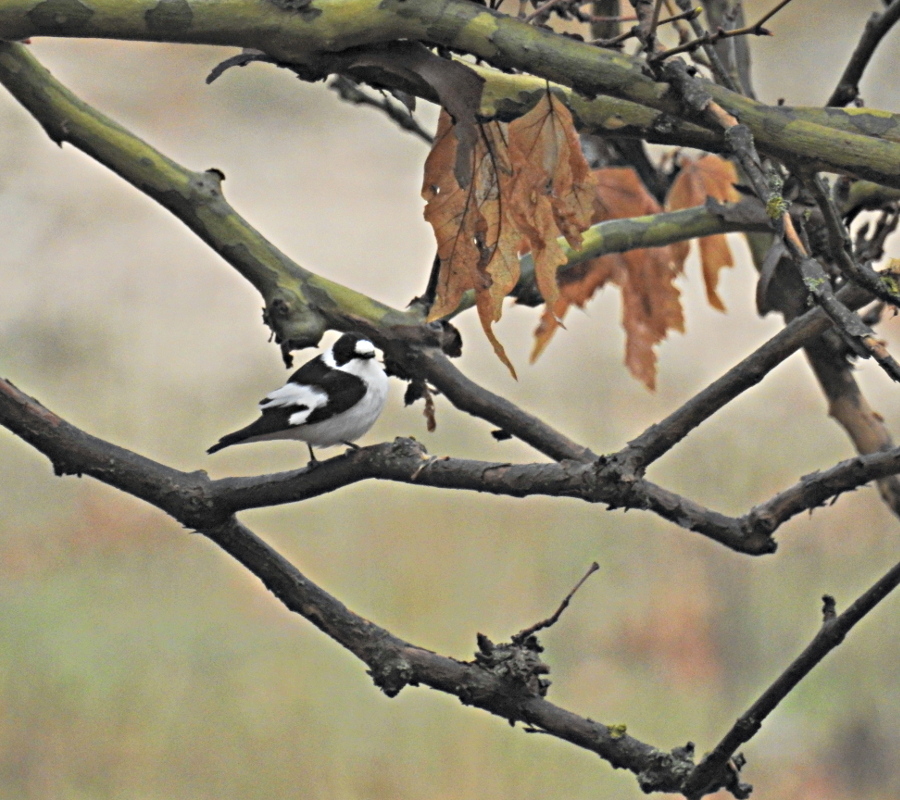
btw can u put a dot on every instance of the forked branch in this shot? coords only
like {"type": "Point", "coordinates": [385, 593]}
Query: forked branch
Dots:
{"type": "Point", "coordinates": [714, 768]}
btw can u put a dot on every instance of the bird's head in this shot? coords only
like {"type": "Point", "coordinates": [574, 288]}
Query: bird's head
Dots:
{"type": "Point", "coordinates": [351, 346]}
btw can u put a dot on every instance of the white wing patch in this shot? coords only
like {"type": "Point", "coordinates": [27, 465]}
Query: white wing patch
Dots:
{"type": "Point", "coordinates": [305, 398]}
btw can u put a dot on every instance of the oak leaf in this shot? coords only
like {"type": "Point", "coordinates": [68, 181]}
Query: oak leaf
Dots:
{"type": "Point", "coordinates": [708, 176]}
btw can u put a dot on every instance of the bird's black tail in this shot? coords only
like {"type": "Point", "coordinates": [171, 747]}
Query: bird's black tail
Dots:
{"type": "Point", "coordinates": [225, 441]}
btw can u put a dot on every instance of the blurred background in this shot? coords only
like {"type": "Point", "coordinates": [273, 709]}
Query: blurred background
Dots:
{"type": "Point", "coordinates": [138, 661]}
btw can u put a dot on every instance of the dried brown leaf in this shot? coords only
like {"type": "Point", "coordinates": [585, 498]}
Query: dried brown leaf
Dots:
{"type": "Point", "coordinates": [554, 189]}
{"type": "Point", "coordinates": [651, 304]}
{"type": "Point", "coordinates": [530, 184]}
{"type": "Point", "coordinates": [478, 244]}
{"type": "Point", "coordinates": [709, 176]}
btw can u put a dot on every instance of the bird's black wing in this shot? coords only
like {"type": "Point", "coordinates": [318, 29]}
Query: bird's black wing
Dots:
{"type": "Point", "coordinates": [344, 391]}
{"type": "Point", "coordinates": [312, 373]}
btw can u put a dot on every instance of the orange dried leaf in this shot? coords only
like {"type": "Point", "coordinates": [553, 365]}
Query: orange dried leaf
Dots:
{"type": "Point", "coordinates": [709, 176]}
{"type": "Point", "coordinates": [553, 191]}
{"type": "Point", "coordinates": [620, 194]}
{"type": "Point", "coordinates": [715, 254]}
{"type": "Point", "coordinates": [478, 244]}
{"type": "Point", "coordinates": [530, 184]}
{"type": "Point", "coordinates": [651, 307]}
{"type": "Point", "coordinates": [651, 304]}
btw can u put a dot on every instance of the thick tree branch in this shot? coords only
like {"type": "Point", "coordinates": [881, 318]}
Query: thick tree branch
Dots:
{"type": "Point", "coordinates": [200, 503]}
{"type": "Point", "coordinates": [315, 37]}
{"type": "Point", "coordinates": [515, 695]}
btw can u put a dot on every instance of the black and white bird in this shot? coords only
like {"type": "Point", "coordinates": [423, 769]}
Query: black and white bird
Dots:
{"type": "Point", "coordinates": [333, 399]}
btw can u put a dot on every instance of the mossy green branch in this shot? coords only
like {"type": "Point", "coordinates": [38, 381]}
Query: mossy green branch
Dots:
{"type": "Point", "coordinates": [836, 140]}
{"type": "Point", "coordinates": [652, 230]}
{"type": "Point", "coordinates": [507, 96]}
{"type": "Point", "coordinates": [300, 304]}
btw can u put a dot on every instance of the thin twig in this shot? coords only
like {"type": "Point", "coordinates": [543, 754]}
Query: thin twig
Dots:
{"type": "Point", "coordinates": [847, 89]}
{"type": "Point", "coordinates": [350, 91]}
{"type": "Point", "coordinates": [654, 20]}
{"type": "Point", "coordinates": [521, 636]}
{"type": "Point", "coordinates": [707, 38]}
{"type": "Point", "coordinates": [715, 63]}
{"type": "Point", "coordinates": [842, 247]}
{"type": "Point", "coordinates": [763, 19]}
{"type": "Point", "coordinates": [691, 14]}
{"type": "Point", "coordinates": [542, 9]}
{"type": "Point", "coordinates": [833, 631]}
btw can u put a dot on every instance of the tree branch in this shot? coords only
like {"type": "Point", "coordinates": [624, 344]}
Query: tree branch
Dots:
{"type": "Point", "coordinates": [515, 694]}
{"type": "Point", "coordinates": [847, 89]}
{"type": "Point", "coordinates": [313, 40]}
{"type": "Point", "coordinates": [820, 487]}
{"type": "Point", "coordinates": [198, 502]}
{"type": "Point", "coordinates": [709, 773]}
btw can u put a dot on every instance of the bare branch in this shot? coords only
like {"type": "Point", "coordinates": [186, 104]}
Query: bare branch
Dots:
{"type": "Point", "coordinates": [198, 502]}
{"type": "Point", "coordinates": [692, 13]}
{"type": "Point", "coordinates": [393, 663]}
{"type": "Point", "coordinates": [522, 635]}
{"type": "Point", "coordinates": [350, 91]}
{"type": "Point", "coordinates": [715, 63]}
{"type": "Point", "coordinates": [709, 773]}
{"type": "Point", "coordinates": [706, 39]}
{"type": "Point", "coordinates": [661, 437]}
{"type": "Point", "coordinates": [847, 89]}
{"type": "Point", "coordinates": [841, 248]}
{"type": "Point", "coordinates": [821, 487]}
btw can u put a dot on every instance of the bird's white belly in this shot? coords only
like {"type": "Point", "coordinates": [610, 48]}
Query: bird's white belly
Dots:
{"type": "Point", "coordinates": [351, 424]}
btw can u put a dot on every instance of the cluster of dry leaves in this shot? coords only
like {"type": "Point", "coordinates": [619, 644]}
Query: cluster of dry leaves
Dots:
{"type": "Point", "coordinates": [526, 186]}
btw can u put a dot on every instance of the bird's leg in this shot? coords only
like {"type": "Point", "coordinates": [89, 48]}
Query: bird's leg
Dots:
{"type": "Point", "coordinates": [313, 461]}
{"type": "Point", "coordinates": [351, 445]}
